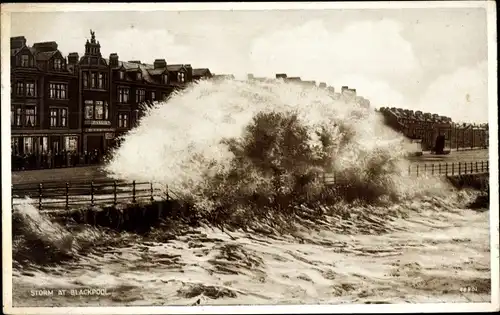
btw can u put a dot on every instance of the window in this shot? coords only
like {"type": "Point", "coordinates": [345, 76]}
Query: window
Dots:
{"type": "Point", "coordinates": [53, 117]}
{"type": "Point", "coordinates": [85, 79]}
{"type": "Point", "coordinates": [101, 81]}
{"type": "Point", "coordinates": [15, 115]}
{"type": "Point", "coordinates": [18, 116]}
{"type": "Point", "coordinates": [122, 120]}
{"type": "Point", "coordinates": [99, 110]}
{"type": "Point", "coordinates": [96, 110]}
{"type": "Point", "coordinates": [58, 117]}
{"type": "Point", "coordinates": [28, 145]}
{"type": "Point", "coordinates": [14, 145]}
{"type": "Point", "coordinates": [106, 110]}
{"type": "Point", "coordinates": [122, 75]}
{"type": "Point", "coordinates": [30, 115]}
{"type": "Point", "coordinates": [70, 143]}
{"type": "Point", "coordinates": [58, 90]}
{"type": "Point", "coordinates": [140, 96]}
{"type": "Point", "coordinates": [165, 78]}
{"type": "Point", "coordinates": [30, 89]}
{"type": "Point", "coordinates": [181, 77]}
{"type": "Point", "coordinates": [89, 109]}
{"type": "Point", "coordinates": [57, 64]}
{"type": "Point", "coordinates": [153, 96]}
{"type": "Point", "coordinates": [25, 61]}
{"type": "Point", "coordinates": [123, 95]}
{"type": "Point", "coordinates": [139, 76]}
{"type": "Point", "coordinates": [93, 80]}
{"type": "Point", "coordinates": [20, 88]}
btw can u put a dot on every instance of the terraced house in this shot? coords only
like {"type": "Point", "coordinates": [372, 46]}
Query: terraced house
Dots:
{"type": "Point", "coordinates": [82, 104]}
{"type": "Point", "coordinates": [44, 110]}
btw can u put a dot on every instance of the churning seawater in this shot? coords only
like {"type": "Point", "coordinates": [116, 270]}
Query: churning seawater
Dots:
{"type": "Point", "coordinates": [250, 158]}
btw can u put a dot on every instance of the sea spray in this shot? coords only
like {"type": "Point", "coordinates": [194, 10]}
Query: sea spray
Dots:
{"type": "Point", "coordinates": [37, 238]}
{"type": "Point", "coordinates": [236, 147]}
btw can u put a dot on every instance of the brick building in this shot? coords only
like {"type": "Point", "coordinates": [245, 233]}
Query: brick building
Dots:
{"type": "Point", "coordinates": [44, 107]}
{"type": "Point", "coordinates": [82, 104]}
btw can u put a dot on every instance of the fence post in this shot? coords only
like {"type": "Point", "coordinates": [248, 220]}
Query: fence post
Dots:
{"type": "Point", "coordinates": [439, 169]}
{"type": "Point", "coordinates": [477, 169]}
{"type": "Point", "coordinates": [446, 169]}
{"type": "Point", "coordinates": [417, 170]}
{"type": "Point", "coordinates": [133, 191]}
{"type": "Point", "coordinates": [40, 187]}
{"type": "Point", "coordinates": [114, 193]}
{"type": "Point", "coordinates": [152, 197]}
{"type": "Point", "coordinates": [168, 197]}
{"type": "Point", "coordinates": [432, 169]}
{"type": "Point", "coordinates": [459, 168]}
{"type": "Point", "coordinates": [487, 166]}
{"type": "Point", "coordinates": [471, 167]}
{"type": "Point", "coordinates": [425, 169]}
{"type": "Point", "coordinates": [92, 193]}
{"type": "Point", "coordinates": [452, 169]}
{"type": "Point", "coordinates": [409, 169]}
{"type": "Point", "coordinates": [67, 196]}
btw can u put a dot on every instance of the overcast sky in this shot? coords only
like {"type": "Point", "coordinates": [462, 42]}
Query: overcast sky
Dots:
{"type": "Point", "coordinates": [428, 59]}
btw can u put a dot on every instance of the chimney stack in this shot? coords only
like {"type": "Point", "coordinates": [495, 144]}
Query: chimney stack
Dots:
{"type": "Point", "coordinates": [45, 46]}
{"type": "Point", "coordinates": [250, 76]}
{"type": "Point", "coordinates": [73, 58]}
{"type": "Point", "coordinates": [160, 63]}
{"type": "Point", "coordinates": [281, 76]}
{"type": "Point", "coordinates": [17, 42]}
{"type": "Point", "coordinates": [113, 60]}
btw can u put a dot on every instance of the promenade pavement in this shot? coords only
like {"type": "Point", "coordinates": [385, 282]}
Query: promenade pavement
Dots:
{"type": "Point", "coordinates": [96, 173]}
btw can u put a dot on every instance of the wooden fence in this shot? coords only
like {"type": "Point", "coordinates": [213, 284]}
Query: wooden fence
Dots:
{"type": "Point", "coordinates": [62, 196]}
{"type": "Point", "coordinates": [449, 169]}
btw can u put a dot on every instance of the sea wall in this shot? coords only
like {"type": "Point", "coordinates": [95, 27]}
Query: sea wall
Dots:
{"type": "Point", "coordinates": [141, 217]}
{"type": "Point", "coordinates": [474, 181]}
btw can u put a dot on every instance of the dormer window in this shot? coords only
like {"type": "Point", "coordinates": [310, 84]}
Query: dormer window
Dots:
{"type": "Point", "coordinates": [165, 78]}
{"type": "Point", "coordinates": [57, 64]}
{"type": "Point", "coordinates": [139, 76]}
{"type": "Point", "coordinates": [122, 75]}
{"type": "Point", "coordinates": [25, 61]}
{"type": "Point", "coordinates": [181, 77]}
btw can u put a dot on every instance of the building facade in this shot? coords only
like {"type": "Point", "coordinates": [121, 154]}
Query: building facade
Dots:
{"type": "Point", "coordinates": [82, 104]}
{"type": "Point", "coordinates": [44, 107]}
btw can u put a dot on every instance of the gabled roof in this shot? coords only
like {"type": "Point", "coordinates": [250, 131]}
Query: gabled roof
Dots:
{"type": "Point", "coordinates": [175, 67]}
{"type": "Point", "coordinates": [44, 56]}
{"type": "Point", "coordinates": [158, 71]}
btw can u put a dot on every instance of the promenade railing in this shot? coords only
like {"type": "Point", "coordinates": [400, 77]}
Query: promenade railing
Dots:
{"type": "Point", "coordinates": [449, 169]}
{"type": "Point", "coordinates": [65, 196]}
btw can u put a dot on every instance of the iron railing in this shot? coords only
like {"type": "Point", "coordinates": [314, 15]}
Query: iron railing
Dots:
{"type": "Point", "coordinates": [449, 169]}
{"type": "Point", "coordinates": [63, 196]}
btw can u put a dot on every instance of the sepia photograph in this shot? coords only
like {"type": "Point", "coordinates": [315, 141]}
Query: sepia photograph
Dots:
{"type": "Point", "coordinates": [249, 157]}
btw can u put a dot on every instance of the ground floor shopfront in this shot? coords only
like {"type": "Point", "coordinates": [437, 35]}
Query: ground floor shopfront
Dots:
{"type": "Point", "coordinates": [44, 142]}
{"type": "Point", "coordinates": [98, 140]}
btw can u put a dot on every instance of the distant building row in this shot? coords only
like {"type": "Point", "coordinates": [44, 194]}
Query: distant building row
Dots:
{"type": "Point", "coordinates": [427, 126]}
{"type": "Point", "coordinates": [83, 103]}
{"type": "Point", "coordinates": [346, 94]}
